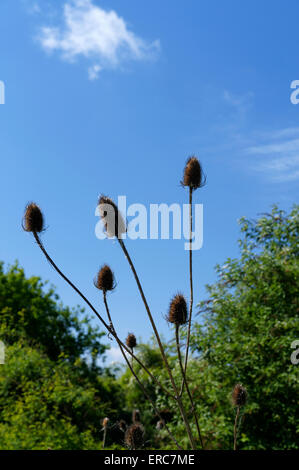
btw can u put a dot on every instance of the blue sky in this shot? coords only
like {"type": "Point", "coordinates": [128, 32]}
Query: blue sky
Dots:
{"type": "Point", "coordinates": [112, 97]}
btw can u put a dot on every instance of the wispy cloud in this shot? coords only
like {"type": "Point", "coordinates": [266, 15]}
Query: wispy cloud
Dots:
{"type": "Point", "coordinates": [240, 104]}
{"type": "Point", "coordinates": [273, 154]}
{"type": "Point", "coordinates": [32, 7]}
{"type": "Point", "coordinates": [278, 157]}
{"type": "Point", "coordinates": [100, 36]}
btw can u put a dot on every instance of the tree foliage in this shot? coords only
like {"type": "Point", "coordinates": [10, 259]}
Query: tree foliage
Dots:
{"type": "Point", "coordinates": [243, 334]}
{"type": "Point", "coordinates": [53, 393]}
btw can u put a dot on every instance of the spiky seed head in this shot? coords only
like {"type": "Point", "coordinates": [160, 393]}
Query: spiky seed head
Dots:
{"type": "Point", "coordinates": [134, 436]}
{"type": "Point", "coordinates": [105, 422]}
{"type": "Point", "coordinates": [105, 279]}
{"type": "Point", "coordinates": [239, 395]}
{"type": "Point", "coordinates": [122, 425]}
{"type": "Point", "coordinates": [178, 312]}
{"type": "Point", "coordinates": [33, 218]}
{"type": "Point", "coordinates": [131, 341]}
{"type": "Point", "coordinates": [193, 174]}
{"type": "Point", "coordinates": [136, 416]}
{"type": "Point", "coordinates": [112, 219]}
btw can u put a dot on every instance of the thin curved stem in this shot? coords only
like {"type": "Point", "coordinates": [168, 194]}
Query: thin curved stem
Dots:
{"type": "Point", "coordinates": [177, 340]}
{"type": "Point", "coordinates": [175, 389]}
{"type": "Point", "coordinates": [41, 246]}
{"type": "Point", "coordinates": [135, 375]}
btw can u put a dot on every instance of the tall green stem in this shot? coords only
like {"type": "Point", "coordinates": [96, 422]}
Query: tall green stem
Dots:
{"type": "Point", "coordinates": [177, 340]}
{"type": "Point", "coordinates": [236, 428]}
{"type": "Point", "coordinates": [175, 389]}
{"type": "Point", "coordinates": [191, 285]}
{"type": "Point", "coordinates": [135, 375]}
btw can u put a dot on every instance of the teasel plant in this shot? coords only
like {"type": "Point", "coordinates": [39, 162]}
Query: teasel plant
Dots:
{"type": "Point", "coordinates": [178, 315]}
{"type": "Point", "coordinates": [134, 436]}
{"type": "Point", "coordinates": [136, 417]}
{"type": "Point", "coordinates": [239, 399]}
{"type": "Point", "coordinates": [105, 428]}
{"type": "Point", "coordinates": [131, 343]}
{"type": "Point", "coordinates": [193, 178]}
{"type": "Point", "coordinates": [115, 227]}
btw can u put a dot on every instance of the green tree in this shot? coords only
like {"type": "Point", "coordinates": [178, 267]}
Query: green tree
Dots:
{"type": "Point", "coordinates": [243, 334]}
{"type": "Point", "coordinates": [53, 392]}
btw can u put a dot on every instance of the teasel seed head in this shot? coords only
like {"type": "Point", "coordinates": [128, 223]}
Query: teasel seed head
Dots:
{"type": "Point", "coordinates": [239, 395]}
{"type": "Point", "coordinates": [193, 174]}
{"type": "Point", "coordinates": [136, 416]}
{"type": "Point", "coordinates": [122, 425]}
{"type": "Point", "coordinates": [33, 219]}
{"type": "Point", "coordinates": [113, 221]}
{"type": "Point", "coordinates": [134, 436]}
{"type": "Point", "coordinates": [178, 312]}
{"type": "Point", "coordinates": [105, 422]}
{"type": "Point", "coordinates": [105, 279]}
{"type": "Point", "coordinates": [131, 341]}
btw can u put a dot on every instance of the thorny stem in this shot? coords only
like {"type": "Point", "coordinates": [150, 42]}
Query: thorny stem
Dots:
{"type": "Point", "coordinates": [135, 375]}
{"type": "Point", "coordinates": [191, 286]}
{"type": "Point", "coordinates": [175, 389]}
{"type": "Point", "coordinates": [236, 428]}
{"type": "Point", "coordinates": [132, 359]}
{"type": "Point", "coordinates": [111, 331]}
{"type": "Point", "coordinates": [177, 340]}
{"type": "Point", "coordinates": [184, 369]}
{"type": "Point", "coordinates": [104, 437]}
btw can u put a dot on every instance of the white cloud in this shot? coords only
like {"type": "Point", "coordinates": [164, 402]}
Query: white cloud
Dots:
{"type": "Point", "coordinates": [114, 355]}
{"type": "Point", "coordinates": [279, 159]}
{"type": "Point", "coordinates": [283, 133]}
{"type": "Point", "coordinates": [96, 34]}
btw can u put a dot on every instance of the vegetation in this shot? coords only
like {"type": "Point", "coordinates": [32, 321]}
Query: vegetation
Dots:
{"type": "Point", "coordinates": [240, 389]}
{"type": "Point", "coordinates": [53, 393]}
{"type": "Point", "coordinates": [243, 334]}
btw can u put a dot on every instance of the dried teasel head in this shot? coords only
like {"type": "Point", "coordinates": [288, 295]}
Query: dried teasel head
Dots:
{"type": "Point", "coordinates": [178, 312]}
{"type": "Point", "coordinates": [136, 416]}
{"type": "Point", "coordinates": [239, 395]}
{"type": "Point", "coordinates": [33, 219]}
{"type": "Point", "coordinates": [105, 279]}
{"type": "Point", "coordinates": [112, 219]}
{"type": "Point", "coordinates": [122, 425]}
{"type": "Point", "coordinates": [134, 436]}
{"type": "Point", "coordinates": [131, 341]}
{"type": "Point", "coordinates": [105, 422]}
{"type": "Point", "coordinates": [193, 174]}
